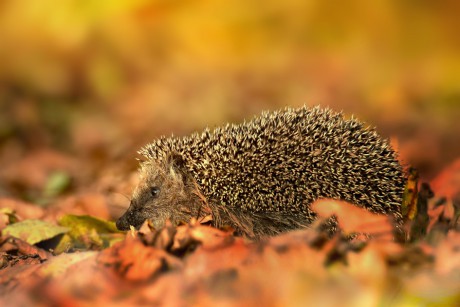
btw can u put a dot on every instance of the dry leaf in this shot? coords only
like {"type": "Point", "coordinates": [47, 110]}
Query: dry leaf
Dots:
{"type": "Point", "coordinates": [137, 262]}
{"type": "Point", "coordinates": [33, 231]}
{"type": "Point", "coordinates": [352, 219]}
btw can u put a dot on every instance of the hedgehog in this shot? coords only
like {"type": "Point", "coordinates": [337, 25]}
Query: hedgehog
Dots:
{"type": "Point", "coordinates": [260, 177]}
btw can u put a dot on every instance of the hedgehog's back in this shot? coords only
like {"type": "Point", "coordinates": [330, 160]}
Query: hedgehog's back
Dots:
{"type": "Point", "coordinates": [280, 162]}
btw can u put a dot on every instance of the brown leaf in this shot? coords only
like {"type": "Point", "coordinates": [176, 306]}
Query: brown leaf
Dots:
{"type": "Point", "coordinates": [165, 237]}
{"type": "Point", "coordinates": [21, 247]}
{"type": "Point", "coordinates": [211, 237]}
{"type": "Point", "coordinates": [352, 219]}
{"type": "Point", "coordinates": [137, 262]}
{"type": "Point", "coordinates": [14, 276]}
{"type": "Point", "coordinates": [182, 239]}
{"type": "Point", "coordinates": [19, 261]}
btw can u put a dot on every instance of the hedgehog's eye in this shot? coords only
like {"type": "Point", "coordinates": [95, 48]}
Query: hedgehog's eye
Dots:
{"type": "Point", "coordinates": [154, 191]}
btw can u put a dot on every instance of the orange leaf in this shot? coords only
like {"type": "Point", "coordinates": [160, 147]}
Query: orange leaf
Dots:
{"type": "Point", "coordinates": [352, 219]}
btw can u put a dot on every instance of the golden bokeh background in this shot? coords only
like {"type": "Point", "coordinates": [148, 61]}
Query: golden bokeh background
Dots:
{"type": "Point", "coordinates": [111, 75]}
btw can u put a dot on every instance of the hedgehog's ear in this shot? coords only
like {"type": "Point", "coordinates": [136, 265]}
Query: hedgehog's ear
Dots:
{"type": "Point", "coordinates": [176, 165]}
{"type": "Point", "coordinates": [175, 160]}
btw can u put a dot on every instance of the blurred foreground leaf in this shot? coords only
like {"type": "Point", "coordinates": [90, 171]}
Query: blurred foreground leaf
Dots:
{"type": "Point", "coordinates": [59, 265]}
{"type": "Point", "coordinates": [33, 231]}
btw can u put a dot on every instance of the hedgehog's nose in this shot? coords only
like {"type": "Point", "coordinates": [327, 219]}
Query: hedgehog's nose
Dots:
{"type": "Point", "coordinates": [122, 223]}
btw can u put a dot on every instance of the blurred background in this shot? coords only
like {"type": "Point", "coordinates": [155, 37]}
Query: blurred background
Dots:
{"type": "Point", "coordinates": [87, 83]}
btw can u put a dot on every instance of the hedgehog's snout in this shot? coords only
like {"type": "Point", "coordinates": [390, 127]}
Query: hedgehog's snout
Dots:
{"type": "Point", "coordinates": [122, 223]}
{"type": "Point", "coordinates": [127, 219]}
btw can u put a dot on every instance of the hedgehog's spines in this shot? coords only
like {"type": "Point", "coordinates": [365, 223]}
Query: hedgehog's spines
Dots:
{"type": "Point", "coordinates": [276, 164]}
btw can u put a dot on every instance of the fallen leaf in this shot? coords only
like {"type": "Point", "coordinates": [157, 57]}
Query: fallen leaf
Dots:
{"type": "Point", "coordinates": [137, 262]}
{"type": "Point", "coordinates": [352, 219]}
{"type": "Point", "coordinates": [58, 265]}
{"type": "Point", "coordinates": [86, 231]}
{"type": "Point", "coordinates": [33, 231]}
{"type": "Point", "coordinates": [19, 247]}
{"type": "Point", "coordinates": [210, 237]}
{"type": "Point", "coordinates": [80, 224]}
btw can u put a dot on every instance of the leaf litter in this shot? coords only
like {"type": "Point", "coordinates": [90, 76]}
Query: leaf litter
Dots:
{"type": "Point", "coordinates": [86, 261]}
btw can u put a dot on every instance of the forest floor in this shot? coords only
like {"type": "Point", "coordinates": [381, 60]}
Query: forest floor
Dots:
{"type": "Point", "coordinates": [62, 249]}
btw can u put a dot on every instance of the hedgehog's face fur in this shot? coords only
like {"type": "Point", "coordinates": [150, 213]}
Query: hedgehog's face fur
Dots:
{"type": "Point", "coordinates": [165, 191]}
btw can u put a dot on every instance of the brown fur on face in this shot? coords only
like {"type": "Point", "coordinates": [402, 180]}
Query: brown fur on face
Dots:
{"type": "Point", "coordinates": [164, 192]}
